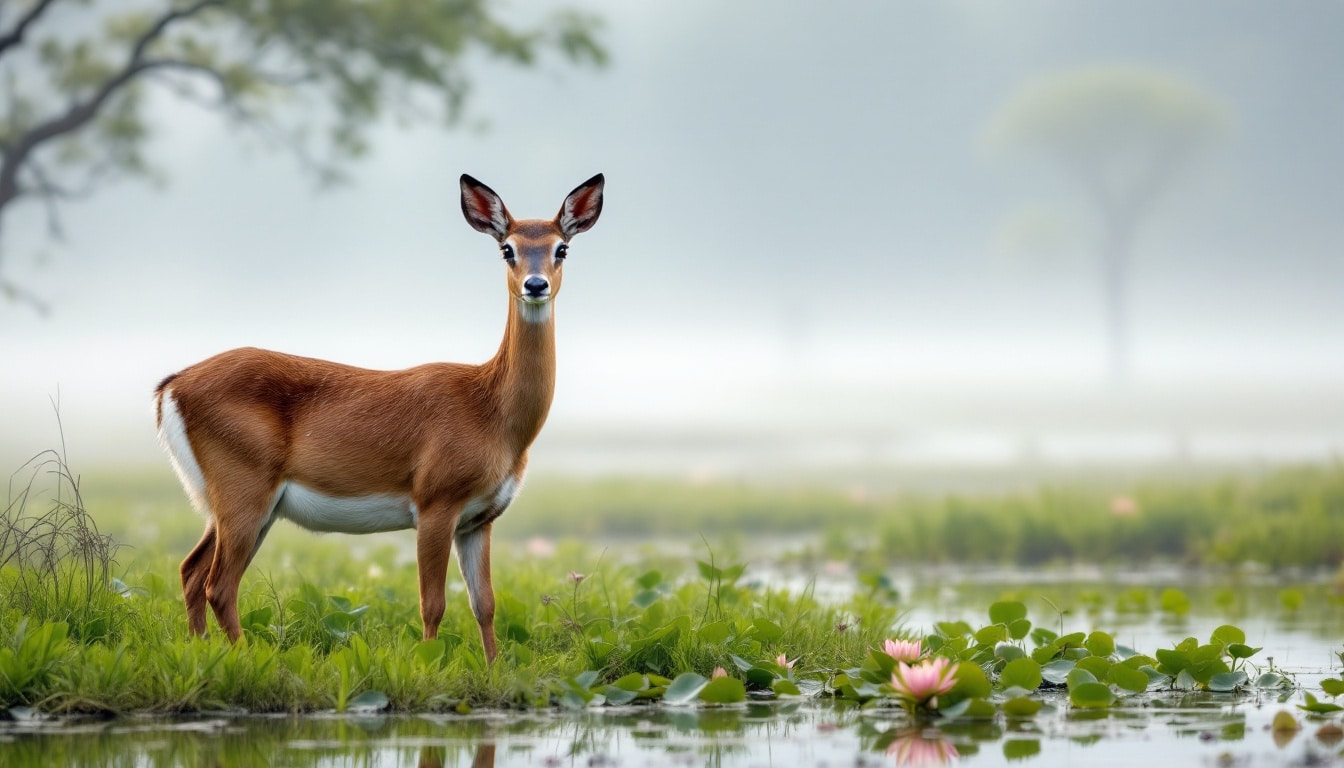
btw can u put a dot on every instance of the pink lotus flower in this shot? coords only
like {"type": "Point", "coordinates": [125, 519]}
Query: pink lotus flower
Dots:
{"type": "Point", "coordinates": [718, 672]}
{"type": "Point", "coordinates": [784, 662]}
{"type": "Point", "coordinates": [922, 748]}
{"type": "Point", "coordinates": [902, 650]}
{"type": "Point", "coordinates": [922, 685]}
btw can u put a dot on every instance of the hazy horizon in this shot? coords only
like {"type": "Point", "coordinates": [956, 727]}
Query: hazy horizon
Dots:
{"type": "Point", "coordinates": [804, 240]}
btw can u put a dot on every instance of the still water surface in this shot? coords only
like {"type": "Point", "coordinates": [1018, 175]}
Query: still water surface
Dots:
{"type": "Point", "coordinates": [1153, 729]}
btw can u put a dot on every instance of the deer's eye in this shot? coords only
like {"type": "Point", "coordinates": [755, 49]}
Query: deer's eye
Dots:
{"type": "Point", "coordinates": [507, 251]}
{"type": "Point", "coordinates": [562, 250]}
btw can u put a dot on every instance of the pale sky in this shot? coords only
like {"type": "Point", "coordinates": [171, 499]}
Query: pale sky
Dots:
{"type": "Point", "coordinates": [801, 236]}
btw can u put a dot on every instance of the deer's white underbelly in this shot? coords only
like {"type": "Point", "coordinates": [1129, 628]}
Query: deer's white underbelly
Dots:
{"type": "Point", "coordinates": [344, 514]}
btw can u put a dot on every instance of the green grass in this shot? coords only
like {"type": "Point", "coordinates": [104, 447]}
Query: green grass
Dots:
{"type": "Point", "coordinates": [1283, 517]}
{"type": "Point", "coordinates": [1286, 517]}
{"type": "Point", "coordinates": [311, 647]}
{"type": "Point", "coordinates": [331, 619]}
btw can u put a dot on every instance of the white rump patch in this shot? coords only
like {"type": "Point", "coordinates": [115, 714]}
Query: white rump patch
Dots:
{"type": "Point", "coordinates": [173, 436]}
{"type": "Point", "coordinates": [344, 514]}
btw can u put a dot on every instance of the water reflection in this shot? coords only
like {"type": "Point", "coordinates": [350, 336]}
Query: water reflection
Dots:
{"type": "Point", "coordinates": [788, 734]}
{"type": "Point", "coordinates": [922, 746]}
{"type": "Point", "coordinates": [1166, 729]}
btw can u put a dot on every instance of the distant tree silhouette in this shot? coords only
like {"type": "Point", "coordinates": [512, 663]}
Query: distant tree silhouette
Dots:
{"type": "Point", "coordinates": [1122, 134]}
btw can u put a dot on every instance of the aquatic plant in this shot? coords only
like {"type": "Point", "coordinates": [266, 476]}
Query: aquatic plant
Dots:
{"type": "Point", "coordinates": [919, 686]}
{"type": "Point", "coordinates": [902, 650]}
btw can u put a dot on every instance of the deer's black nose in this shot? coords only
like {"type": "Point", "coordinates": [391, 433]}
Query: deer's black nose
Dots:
{"type": "Point", "coordinates": [536, 285]}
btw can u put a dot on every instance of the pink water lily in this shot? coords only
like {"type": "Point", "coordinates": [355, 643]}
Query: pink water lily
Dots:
{"type": "Point", "coordinates": [902, 650]}
{"type": "Point", "coordinates": [784, 662]}
{"type": "Point", "coordinates": [923, 684]}
{"type": "Point", "coordinates": [718, 673]}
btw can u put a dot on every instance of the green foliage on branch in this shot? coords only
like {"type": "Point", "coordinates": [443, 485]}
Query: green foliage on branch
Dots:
{"type": "Point", "coordinates": [312, 76]}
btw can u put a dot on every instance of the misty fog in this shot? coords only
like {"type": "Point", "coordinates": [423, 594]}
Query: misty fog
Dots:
{"type": "Point", "coordinates": [813, 253]}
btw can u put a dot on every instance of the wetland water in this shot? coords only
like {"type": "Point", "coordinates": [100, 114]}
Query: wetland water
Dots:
{"type": "Point", "coordinates": [1158, 728]}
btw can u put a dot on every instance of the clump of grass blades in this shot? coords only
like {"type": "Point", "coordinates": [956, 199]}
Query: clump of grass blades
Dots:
{"type": "Point", "coordinates": [55, 565]}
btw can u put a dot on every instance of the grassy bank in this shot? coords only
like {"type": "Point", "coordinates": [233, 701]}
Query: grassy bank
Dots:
{"type": "Point", "coordinates": [91, 617]}
{"type": "Point", "coordinates": [320, 632]}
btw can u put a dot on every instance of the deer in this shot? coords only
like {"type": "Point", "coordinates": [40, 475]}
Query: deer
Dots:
{"type": "Point", "coordinates": [256, 436]}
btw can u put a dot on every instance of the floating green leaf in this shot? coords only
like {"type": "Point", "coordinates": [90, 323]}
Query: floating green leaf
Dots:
{"type": "Point", "coordinates": [784, 687]}
{"type": "Point", "coordinates": [368, 701]}
{"type": "Point", "coordinates": [990, 634]}
{"type": "Point", "coordinates": [1024, 673]}
{"type": "Point", "coordinates": [1184, 681]}
{"type": "Point", "coordinates": [618, 696]}
{"type": "Point", "coordinates": [1071, 640]}
{"type": "Point", "coordinates": [725, 690]}
{"type": "Point", "coordinates": [1171, 662]}
{"type": "Point", "coordinates": [1227, 681]}
{"type": "Point", "coordinates": [1128, 678]}
{"type": "Point", "coordinates": [1042, 636]}
{"type": "Point", "coordinates": [1079, 677]}
{"type": "Point", "coordinates": [632, 682]}
{"type": "Point", "coordinates": [1271, 680]}
{"type": "Point", "coordinates": [1228, 634]}
{"type": "Point", "coordinates": [953, 628]}
{"type": "Point", "coordinates": [1006, 612]}
{"type": "Point", "coordinates": [1097, 665]}
{"type": "Point", "coordinates": [1319, 707]}
{"type": "Point", "coordinates": [1057, 671]}
{"type": "Point", "coordinates": [974, 709]}
{"type": "Point", "coordinates": [971, 682]}
{"type": "Point", "coordinates": [1099, 644]}
{"type": "Point", "coordinates": [685, 688]}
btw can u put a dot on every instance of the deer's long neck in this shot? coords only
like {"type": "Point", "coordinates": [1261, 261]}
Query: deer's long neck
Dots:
{"type": "Point", "coordinates": [523, 371]}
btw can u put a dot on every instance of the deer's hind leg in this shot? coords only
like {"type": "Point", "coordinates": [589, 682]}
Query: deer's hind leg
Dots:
{"type": "Point", "coordinates": [241, 520]}
{"type": "Point", "coordinates": [194, 571]}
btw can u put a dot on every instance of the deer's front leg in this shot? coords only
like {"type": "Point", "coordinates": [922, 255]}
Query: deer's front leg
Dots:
{"type": "Point", "coordinates": [433, 545]}
{"type": "Point", "coordinates": [473, 556]}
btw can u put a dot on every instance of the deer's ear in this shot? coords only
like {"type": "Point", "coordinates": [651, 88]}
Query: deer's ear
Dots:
{"type": "Point", "coordinates": [484, 210]}
{"type": "Point", "coordinates": [581, 208]}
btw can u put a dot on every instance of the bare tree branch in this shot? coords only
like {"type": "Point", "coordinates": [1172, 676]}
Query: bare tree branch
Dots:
{"type": "Point", "coordinates": [49, 191]}
{"type": "Point", "coordinates": [81, 113]}
{"type": "Point", "coordinates": [344, 62]}
{"type": "Point", "coordinates": [15, 36]}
